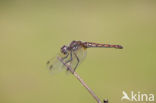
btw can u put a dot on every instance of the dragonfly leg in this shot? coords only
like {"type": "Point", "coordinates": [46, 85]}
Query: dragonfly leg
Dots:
{"type": "Point", "coordinates": [71, 58]}
{"type": "Point", "coordinates": [65, 56]}
{"type": "Point", "coordinates": [77, 61]}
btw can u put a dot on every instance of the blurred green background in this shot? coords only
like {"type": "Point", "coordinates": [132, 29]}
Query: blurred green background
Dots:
{"type": "Point", "coordinates": [31, 32]}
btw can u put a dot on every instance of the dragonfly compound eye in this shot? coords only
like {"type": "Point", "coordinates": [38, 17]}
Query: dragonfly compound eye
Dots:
{"type": "Point", "coordinates": [64, 49]}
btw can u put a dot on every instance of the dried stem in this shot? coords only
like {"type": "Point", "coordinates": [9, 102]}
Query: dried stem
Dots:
{"type": "Point", "coordinates": [81, 80]}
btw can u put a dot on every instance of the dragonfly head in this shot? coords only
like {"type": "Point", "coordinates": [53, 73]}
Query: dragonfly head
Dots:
{"type": "Point", "coordinates": [64, 49]}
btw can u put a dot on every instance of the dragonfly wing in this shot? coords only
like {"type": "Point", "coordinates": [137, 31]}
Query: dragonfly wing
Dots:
{"type": "Point", "coordinates": [81, 53]}
{"type": "Point", "coordinates": [54, 65]}
{"type": "Point", "coordinates": [73, 59]}
{"type": "Point", "coordinates": [78, 56]}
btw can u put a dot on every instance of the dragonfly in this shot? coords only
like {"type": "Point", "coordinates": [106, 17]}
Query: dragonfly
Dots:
{"type": "Point", "coordinates": [74, 54]}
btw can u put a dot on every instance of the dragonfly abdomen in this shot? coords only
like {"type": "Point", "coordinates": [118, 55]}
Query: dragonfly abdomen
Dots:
{"type": "Point", "coordinates": [90, 45]}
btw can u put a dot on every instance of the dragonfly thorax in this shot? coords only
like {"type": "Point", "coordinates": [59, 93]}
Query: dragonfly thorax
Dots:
{"type": "Point", "coordinates": [74, 45]}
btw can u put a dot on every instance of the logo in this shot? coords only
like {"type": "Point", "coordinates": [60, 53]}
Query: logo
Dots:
{"type": "Point", "coordinates": [137, 96]}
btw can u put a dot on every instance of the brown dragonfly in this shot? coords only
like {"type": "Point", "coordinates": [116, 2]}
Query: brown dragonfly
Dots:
{"type": "Point", "coordinates": [74, 54]}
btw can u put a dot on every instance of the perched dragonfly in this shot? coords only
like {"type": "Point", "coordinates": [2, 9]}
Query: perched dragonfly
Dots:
{"type": "Point", "coordinates": [74, 54]}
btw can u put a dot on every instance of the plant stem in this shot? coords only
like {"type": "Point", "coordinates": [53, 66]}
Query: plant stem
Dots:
{"type": "Point", "coordinates": [68, 67]}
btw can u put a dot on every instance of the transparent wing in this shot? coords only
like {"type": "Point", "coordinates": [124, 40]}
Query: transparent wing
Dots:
{"type": "Point", "coordinates": [79, 54]}
{"type": "Point", "coordinates": [54, 65]}
{"type": "Point", "coordinates": [73, 59]}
